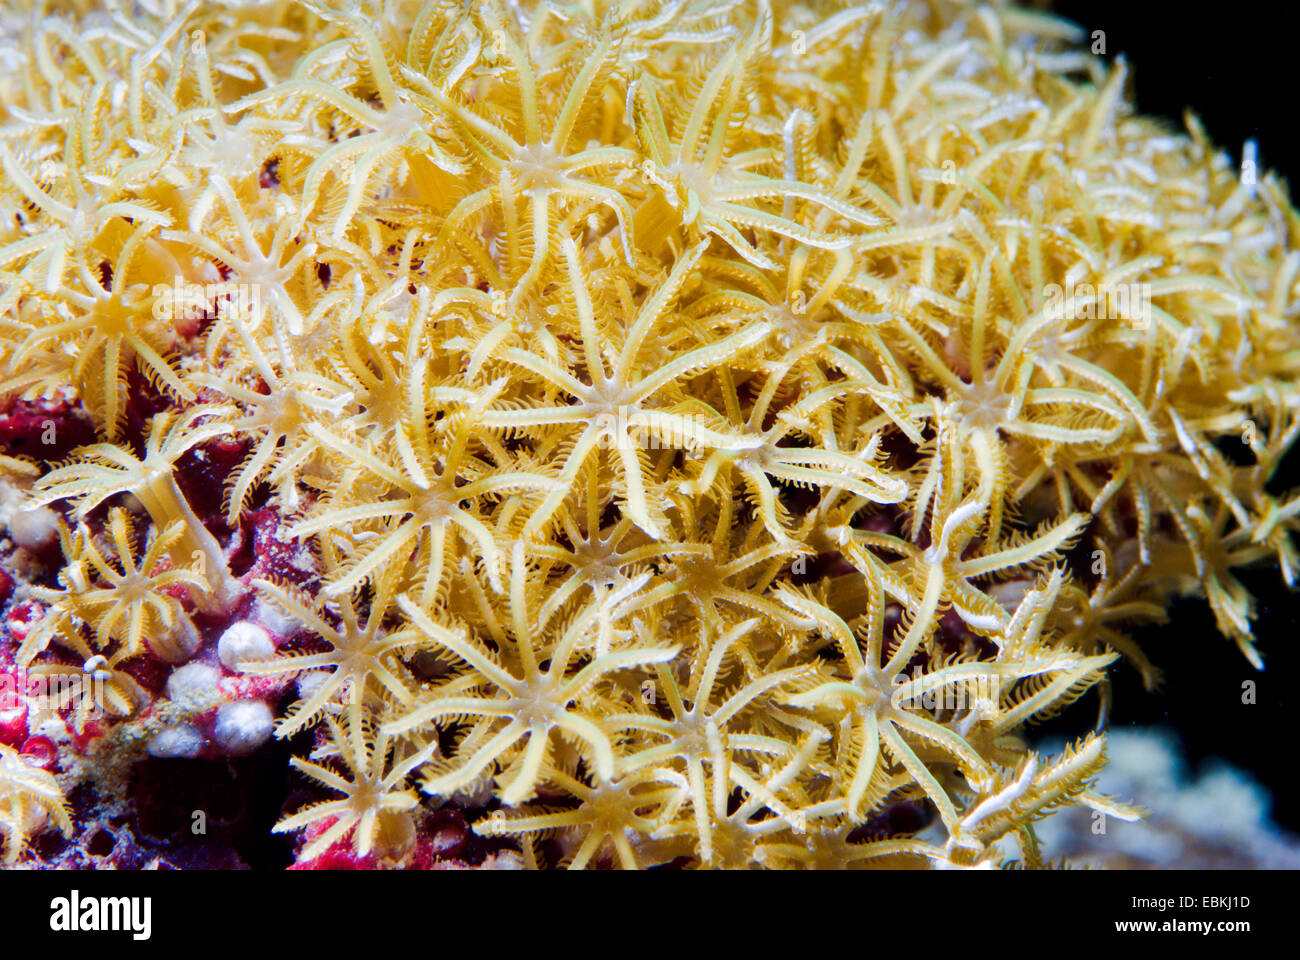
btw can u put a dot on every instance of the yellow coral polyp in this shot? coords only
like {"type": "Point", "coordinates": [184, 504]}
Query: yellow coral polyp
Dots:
{"type": "Point", "coordinates": [29, 798]}
{"type": "Point", "coordinates": [671, 372]}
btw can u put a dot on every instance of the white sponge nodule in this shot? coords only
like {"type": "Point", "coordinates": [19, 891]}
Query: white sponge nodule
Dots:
{"type": "Point", "coordinates": [242, 727]}
{"type": "Point", "coordinates": [242, 643]}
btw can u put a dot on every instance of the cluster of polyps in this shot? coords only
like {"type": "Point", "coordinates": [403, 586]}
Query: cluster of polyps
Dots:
{"type": "Point", "coordinates": [645, 390]}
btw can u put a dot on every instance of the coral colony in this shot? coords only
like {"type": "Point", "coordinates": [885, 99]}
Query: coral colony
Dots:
{"type": "Point", "coordinates": [608, 434]}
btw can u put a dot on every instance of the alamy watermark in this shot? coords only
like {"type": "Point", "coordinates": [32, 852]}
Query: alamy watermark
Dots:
{"type": "Point", "coordinates": [57, 690]}
{"type": "Point", "coordinates": [182, 298]}
{"type": "Point", "coordinates": [631, 428]}
{"type": "Point", "coordinates": [965, 694]}
{"type": "Point", "coordinates": [1083, 301]}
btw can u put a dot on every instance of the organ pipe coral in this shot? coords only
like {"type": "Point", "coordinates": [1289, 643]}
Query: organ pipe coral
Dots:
{"type": "Point", "coordinates": [656, 433]}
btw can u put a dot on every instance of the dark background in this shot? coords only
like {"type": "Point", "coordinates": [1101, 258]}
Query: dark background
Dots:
{"type": "Point", "coordinates": [1235, 66]}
